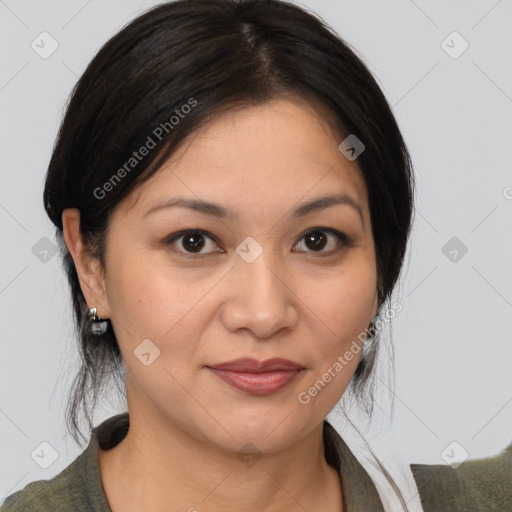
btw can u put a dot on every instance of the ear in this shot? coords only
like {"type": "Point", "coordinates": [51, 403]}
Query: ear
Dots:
{"type": "Point", "coordinates": [88, 269]}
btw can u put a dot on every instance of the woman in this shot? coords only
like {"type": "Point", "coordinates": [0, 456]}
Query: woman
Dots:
{"type": "Point", "coordinates": [234, 198]}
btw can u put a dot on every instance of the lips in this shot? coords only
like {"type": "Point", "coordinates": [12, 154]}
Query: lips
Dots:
{"type": "Point", "coordinates": [254, 366]}
{"type": "Point", "coordinates": [257, 377]}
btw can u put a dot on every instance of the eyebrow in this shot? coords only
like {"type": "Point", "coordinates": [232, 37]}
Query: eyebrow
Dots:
{"type": "Point", "coordinates": [216, 210]}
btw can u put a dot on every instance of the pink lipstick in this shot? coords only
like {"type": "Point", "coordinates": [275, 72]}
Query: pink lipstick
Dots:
{"type": "Point", "coordinates": [257, 377]}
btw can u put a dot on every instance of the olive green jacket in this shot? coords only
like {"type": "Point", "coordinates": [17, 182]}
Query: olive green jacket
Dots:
{"type": "Point", "coordinates": [476, 486]}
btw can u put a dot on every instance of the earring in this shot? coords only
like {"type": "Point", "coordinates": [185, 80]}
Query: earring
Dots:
{"type": "Point", "coordinates": [99, 325]}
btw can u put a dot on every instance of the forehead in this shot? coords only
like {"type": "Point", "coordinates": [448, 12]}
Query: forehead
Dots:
{"type": "Point", "coordinates": [270, 155]}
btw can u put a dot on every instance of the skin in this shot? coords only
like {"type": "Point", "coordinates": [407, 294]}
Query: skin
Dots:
{"type": "Point", "coordinates": [294, 301]}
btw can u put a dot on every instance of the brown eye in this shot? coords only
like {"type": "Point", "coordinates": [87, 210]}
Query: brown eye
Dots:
{"type": "Point", "coordinates": [191, 241]}
{"type": "Point", "coordinates": [316, 240]}
{"type": "Point", "coordinates": [194, 241]}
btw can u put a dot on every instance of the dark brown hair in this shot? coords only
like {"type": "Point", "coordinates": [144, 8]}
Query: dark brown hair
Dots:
{"type": "Point", "coordinates": [215, 55]}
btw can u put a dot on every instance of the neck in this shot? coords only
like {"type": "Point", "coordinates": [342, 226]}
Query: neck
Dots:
{"type": "Point", "coordinates": [161, 467]}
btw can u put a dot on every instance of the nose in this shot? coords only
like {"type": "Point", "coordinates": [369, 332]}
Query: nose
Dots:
{"type": "Point", "coordinates": [260, 299]}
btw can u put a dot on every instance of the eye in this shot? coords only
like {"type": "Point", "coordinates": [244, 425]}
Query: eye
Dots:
{"type": "Point", "coordinates": [316, 240]}
{"type": "Point", "coordinates": [192, 241]}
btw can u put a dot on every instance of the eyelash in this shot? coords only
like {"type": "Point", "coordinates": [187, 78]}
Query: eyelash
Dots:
{"type": "Point", "coordinates": [344, 240]}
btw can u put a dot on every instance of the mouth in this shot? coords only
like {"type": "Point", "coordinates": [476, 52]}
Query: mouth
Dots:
{"type": "Point", "coordinates": [257, 377]}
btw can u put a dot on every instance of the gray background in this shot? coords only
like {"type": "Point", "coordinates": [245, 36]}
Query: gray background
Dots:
{"type": "Point", "coordinates": [453, 339]}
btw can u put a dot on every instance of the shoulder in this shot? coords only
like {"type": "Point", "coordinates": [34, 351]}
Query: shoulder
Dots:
{"type": "Point", "coordinates": [475, 486]}
{"type": "Point", "coordinates": [79, 485]}
{"type": "Point", "coordinates": [57, 494]}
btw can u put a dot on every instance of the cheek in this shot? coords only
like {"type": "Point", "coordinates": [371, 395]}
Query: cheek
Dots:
{"type": "Point", "coordinates": [343, 304]}
{"type": "Point", "coordinates": [342, 313]}
{"type": "Point", "coordinates": [149, 301]}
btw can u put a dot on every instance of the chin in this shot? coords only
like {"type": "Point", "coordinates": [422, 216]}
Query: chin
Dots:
{"type": "Point", "coordinates": [268, 433]}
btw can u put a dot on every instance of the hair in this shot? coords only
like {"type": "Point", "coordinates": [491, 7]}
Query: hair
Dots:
{"type": "Point", "coordinates": [170, 71]}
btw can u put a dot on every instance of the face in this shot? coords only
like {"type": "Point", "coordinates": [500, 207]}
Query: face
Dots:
{"type": "Point", "coordinates": [269, 278]}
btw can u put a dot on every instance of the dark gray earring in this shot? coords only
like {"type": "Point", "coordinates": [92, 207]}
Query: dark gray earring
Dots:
{"type": "Point", "coordinates": [98, 325]}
